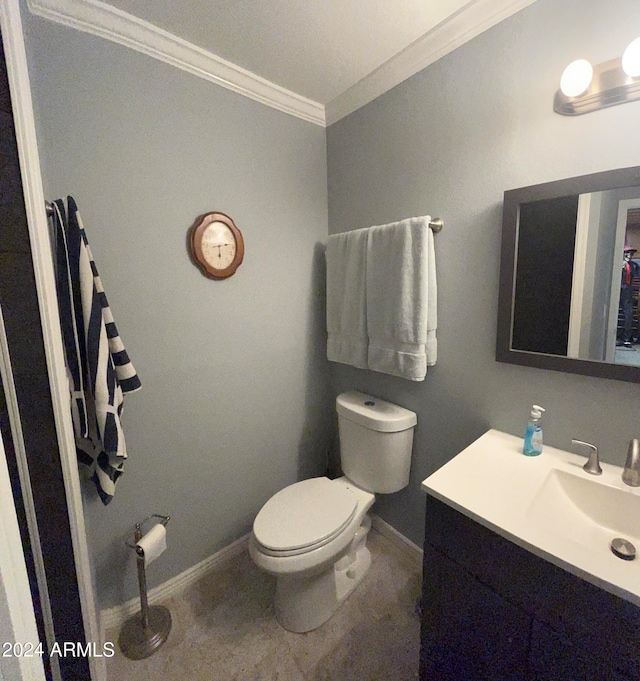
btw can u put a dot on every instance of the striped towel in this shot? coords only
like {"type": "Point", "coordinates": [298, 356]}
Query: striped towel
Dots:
{"type": "Point", "coordinates": [98, 367]}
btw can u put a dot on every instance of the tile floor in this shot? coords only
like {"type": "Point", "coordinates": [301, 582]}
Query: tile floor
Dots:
{"type": "Point", "coordinates": [224, 629]}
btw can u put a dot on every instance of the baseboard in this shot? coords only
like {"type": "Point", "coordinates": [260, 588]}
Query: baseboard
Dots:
{"type": "Point", "coordinates": [111, 618]}
{"type": "Point", "coordinates": [117, 615]}
{"type": "Point", "coordinates": [397, 539]}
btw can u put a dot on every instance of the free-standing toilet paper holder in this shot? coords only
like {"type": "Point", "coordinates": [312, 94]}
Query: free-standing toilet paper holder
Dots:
{"type": "Point", "coordinates": [142, 634]}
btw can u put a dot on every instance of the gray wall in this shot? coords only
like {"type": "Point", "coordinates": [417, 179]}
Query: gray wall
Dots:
{"type": "Point", "coordinates": [235, 397]}
{"type": "Point", "coordinates": [448, 142]}
{"type": "Point", "coordinates": [233, 404]}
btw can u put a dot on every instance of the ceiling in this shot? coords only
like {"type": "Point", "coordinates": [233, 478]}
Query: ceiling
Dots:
{"type": "Point", "coordinates": [319, 59]}
{"type": "Point", "coordinates": [316, 48]}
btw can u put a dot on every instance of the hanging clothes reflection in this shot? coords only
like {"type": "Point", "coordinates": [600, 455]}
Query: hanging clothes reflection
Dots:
{"type": "Point", "coordinates": [628, 293]}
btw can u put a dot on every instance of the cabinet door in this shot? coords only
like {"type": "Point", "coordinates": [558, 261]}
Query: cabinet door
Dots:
{"type": "Point", "coordinates": [555, 657]}
{"type": "Point", "coordinates": [469, 633]}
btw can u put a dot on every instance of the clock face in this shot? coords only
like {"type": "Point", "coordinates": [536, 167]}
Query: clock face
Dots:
{"type": "Point", "coordinates": [216, 245]}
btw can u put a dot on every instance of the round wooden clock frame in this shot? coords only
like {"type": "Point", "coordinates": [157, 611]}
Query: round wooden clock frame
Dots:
{"type": "Point", "coordinates": [195, 245]}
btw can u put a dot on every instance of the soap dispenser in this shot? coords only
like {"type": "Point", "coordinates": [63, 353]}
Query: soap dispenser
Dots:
{"type": "Point", "coordinates": [533, 436]}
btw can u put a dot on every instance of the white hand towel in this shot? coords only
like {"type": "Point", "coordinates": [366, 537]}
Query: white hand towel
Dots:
{"type": "Point", "coordinates": [401, 298]}
{"type": "Point", "coordinates": [346, 298]}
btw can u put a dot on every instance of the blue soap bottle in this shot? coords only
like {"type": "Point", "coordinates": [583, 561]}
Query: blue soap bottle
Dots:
{"type": "Point", "coordinates": [533, 436]}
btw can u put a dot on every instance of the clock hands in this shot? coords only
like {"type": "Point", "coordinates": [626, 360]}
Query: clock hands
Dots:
{"type": "Point", "coordinates": [220, 246]}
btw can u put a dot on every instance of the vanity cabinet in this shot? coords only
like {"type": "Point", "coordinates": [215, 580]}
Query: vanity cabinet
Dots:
{"type": "Point", "coordinates": [494, 611]}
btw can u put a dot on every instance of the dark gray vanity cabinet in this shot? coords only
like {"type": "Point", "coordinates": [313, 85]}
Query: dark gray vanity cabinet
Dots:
{"type": "Point", "coordinates": [493, 611]}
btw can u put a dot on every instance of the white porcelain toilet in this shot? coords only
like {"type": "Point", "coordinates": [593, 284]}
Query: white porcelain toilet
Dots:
{"type": "Point", "coordinates": [312, 534]}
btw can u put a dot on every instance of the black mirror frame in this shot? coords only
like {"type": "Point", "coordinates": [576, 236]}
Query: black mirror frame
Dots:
{"type": "Point", "coordinates": [584, 184]}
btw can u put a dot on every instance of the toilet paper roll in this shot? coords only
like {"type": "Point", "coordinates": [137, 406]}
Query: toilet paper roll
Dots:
{"type": "Point", "coordinates": [154, 543]}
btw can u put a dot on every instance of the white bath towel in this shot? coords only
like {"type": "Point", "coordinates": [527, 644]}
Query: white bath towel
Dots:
{"type": "Point", "coordinates": [401, 298]}
{"type": "Point", "coordinates": [346, 298]}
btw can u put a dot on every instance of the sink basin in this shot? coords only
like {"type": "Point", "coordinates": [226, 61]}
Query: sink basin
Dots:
{"type": "Point", "coordinates": [584, 510]}
{"type": "Point", "coordinates": [548, 505]}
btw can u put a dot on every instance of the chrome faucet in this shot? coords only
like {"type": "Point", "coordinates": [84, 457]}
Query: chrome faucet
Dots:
{"type": "Point", "coordinates": [631, 472]}
{"type": "Point", "coordinates": [593, 464]}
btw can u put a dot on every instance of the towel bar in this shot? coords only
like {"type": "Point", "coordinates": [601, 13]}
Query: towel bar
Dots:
{"type": "Point", "coordinates": [436, 224]}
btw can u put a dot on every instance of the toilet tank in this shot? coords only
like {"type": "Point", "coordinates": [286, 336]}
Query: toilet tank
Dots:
{"type": "Point", "coordinates": [376, 438]}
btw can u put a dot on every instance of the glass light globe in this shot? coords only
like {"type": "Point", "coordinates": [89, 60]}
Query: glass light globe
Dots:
{"type": "Point", "coordinates": [631, 59]}
{"type": "Point", "coordinates": [576, 78]}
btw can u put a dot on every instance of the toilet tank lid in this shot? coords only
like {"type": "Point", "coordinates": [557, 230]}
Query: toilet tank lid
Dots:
{"type": "Point", "coordinates": [374, 413]}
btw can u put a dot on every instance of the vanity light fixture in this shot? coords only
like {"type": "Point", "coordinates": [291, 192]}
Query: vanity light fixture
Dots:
{"type": "Point", "coordinates": [585, 88]}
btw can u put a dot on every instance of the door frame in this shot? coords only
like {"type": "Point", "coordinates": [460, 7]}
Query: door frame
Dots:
{"type": "Point", "coordinates": [24, 122]}
{"type": "Point", "coordinates": [581, 274]}
{"type": "Point", "coordinates": [17, 617]}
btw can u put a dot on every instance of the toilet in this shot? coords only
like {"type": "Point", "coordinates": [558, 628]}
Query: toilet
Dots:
{"type": "Point", "coordinates": [312, 534]}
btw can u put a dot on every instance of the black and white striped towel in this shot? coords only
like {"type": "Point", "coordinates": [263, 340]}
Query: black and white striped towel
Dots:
{"type": "Point", "coordinates": [98, 367]}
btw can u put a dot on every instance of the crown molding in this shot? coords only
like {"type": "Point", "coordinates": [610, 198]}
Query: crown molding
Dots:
{"type": "Point", "coordinates": [468, 22]}
{"type": "Point", "coordinates": [105, 21]}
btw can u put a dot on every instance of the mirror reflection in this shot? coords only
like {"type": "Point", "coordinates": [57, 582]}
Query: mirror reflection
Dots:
{"type": "Point", "coordinates": [577, 277]}
{"type": "Point", "coordinates": [568, 297]}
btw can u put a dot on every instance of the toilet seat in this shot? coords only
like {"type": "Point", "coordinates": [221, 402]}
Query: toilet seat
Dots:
{"type": "Point", "coordinates": [304, 516]}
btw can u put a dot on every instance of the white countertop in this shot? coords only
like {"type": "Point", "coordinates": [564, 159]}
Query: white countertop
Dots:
{"type": "Point", "coordinates": [493, 483]}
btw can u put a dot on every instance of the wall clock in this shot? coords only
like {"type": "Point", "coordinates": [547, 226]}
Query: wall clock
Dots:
{"type": "Point", "coordinates": [216, 245]}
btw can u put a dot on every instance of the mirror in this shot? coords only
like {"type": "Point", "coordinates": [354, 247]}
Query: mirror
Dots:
{"type": "Point", "coordinates": [568, 297]}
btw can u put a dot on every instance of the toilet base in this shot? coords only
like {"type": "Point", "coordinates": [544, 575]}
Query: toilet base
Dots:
{"type": "Point", "coordinates": [304, 603]}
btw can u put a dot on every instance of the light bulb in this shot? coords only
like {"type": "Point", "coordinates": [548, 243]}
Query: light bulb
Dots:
{"type": "Point", "coordinates": [576, 78]}
{"type": "Point", "coordinates": [631, 59]}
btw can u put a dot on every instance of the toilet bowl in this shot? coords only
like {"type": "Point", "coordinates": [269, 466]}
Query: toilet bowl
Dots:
{"type": "Point", "coordinates": [312, 534]}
